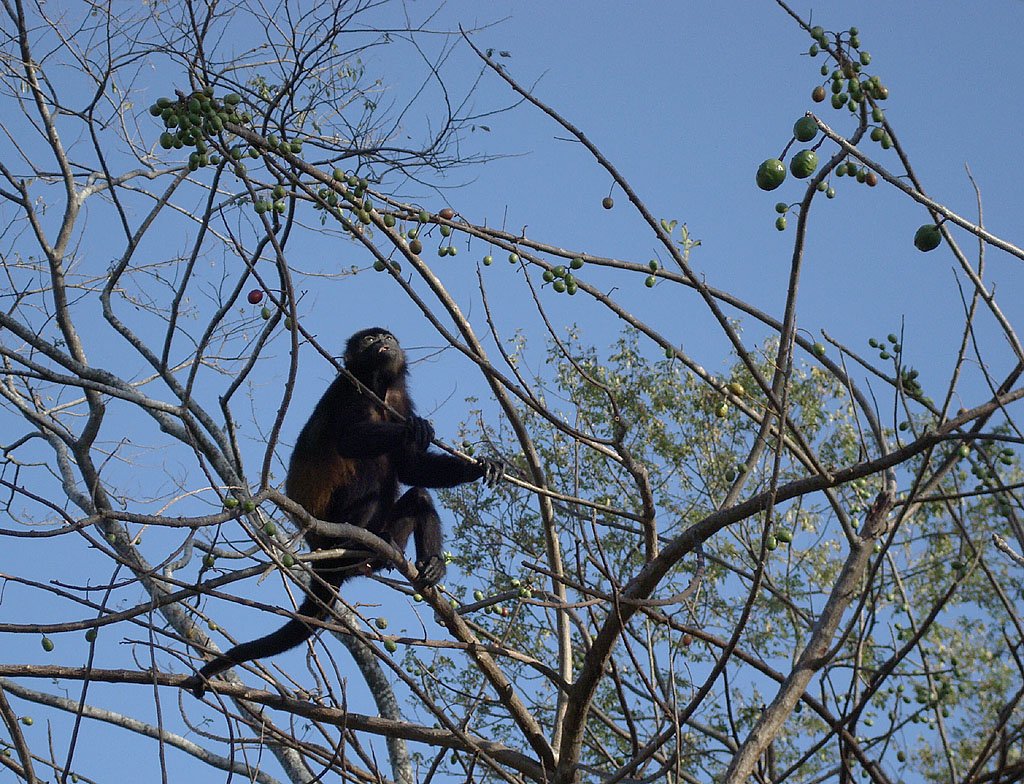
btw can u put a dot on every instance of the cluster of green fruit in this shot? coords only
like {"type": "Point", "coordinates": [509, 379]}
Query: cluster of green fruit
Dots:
{"type": "Point", "coordinates": [885, 350]}
{"type": "Point", "coordinates": [849, 87]}
{"type": "Point", "coordinates": [772, 172]}
{"type": "Point", "coordinates": [192, 120]}
{"type": "Point", "coordinates": [860, 173]}
{"type": "Point", "coordinates": [561, 279]}
{"type": "Point", "coordinates": [352, 190]}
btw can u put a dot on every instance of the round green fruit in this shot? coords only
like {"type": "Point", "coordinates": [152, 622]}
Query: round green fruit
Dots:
{"type": "Point", "coordinates": [607, 202]}
{"type": "Point", "coordinates": [650, 281]}
{"type": "Point", "coordinates": [390, 646]}
{"type": "Point", "coordinates": [488, 260]}
{"type": "Point", "coordinates": [780, 223]}
{"type": "Point", "coordinates": [805, 129]}
{"type": "Point", "coordinates": [803, 164]}
{"type": "Point", "coordinates": [381, 623]}
{"type": "Point", "coordinates": [47, 644]}
{"type": "Point", "coordinates": [416, 247]}
{"type": "Point", "coordinates": [576, 263]}
{"type": "Point", "coordinates": [927, 238]}
{"type": "Point", "coordinates": [818, 349]}
{"type": "Point", "coordinates": [770, 174]}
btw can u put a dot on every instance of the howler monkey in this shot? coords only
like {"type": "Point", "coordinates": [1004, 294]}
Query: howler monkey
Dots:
{"type": "Point", "coordinates": [346, 467]}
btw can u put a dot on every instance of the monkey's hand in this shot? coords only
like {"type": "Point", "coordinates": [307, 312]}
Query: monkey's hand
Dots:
{"type": "Point", "coordinates": [431, 569]}
{"type": "Point", "coordinates": [492, 470]}
{"type": "Point", "coordinates": [419, 432]}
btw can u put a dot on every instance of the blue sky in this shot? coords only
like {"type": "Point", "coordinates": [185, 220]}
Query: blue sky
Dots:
{"type": "Point", "coordinates": [686, 99]}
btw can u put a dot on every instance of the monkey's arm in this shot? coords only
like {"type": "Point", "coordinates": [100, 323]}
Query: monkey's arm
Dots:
{"type": "Point", "coordinates": [432, 469]}
{"type": "Point", "coordinates": [373, 439]}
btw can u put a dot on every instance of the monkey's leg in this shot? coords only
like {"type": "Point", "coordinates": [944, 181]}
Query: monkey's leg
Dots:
{"type": "Point", "coordinates": [414, 515]}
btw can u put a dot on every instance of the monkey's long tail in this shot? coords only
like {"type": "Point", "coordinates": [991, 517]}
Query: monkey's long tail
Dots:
{"type": "Point", "coordinates": [321, 593]}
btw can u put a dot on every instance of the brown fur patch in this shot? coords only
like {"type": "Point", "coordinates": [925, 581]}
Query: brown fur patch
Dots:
{"type": "Point", "coordinates": [311, 483]}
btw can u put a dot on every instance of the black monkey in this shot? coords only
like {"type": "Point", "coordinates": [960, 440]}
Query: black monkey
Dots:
{"type": "Point", "coordinates": [348, 462]}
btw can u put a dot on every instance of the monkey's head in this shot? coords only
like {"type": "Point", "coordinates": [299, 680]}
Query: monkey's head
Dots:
{"type": "Point", "coordinates": [374, 352]}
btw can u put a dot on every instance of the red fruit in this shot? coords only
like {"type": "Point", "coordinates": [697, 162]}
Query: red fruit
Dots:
{"type": "Point", "coordinates": [447, 213]}
{"type": "Point", "coordinates": [255, 297]}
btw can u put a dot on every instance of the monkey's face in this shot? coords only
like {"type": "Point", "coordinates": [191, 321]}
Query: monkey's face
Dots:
{"type": "Point", "coordinates": [374, 351]}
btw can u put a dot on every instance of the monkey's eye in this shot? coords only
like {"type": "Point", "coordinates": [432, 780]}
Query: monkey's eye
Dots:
{"type": "Point", "coordinates": [368, 339]}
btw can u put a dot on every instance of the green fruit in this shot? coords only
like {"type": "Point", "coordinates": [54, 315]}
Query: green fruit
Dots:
{"type": "Point", "coordinates": [209, 560]}
{"type": "Point", "coordinates": [265, 313]}
{"type": "Point", "coordinates": [607, 202]}
{"type": "Point", "coordinates": [803, 164]}
{"type": "Point", "coordinates": [232, 99]}
{"type": "Point", "coordinates": [818, 349]}
{"type": "Point", "coordinates": [513, 258]}
{"type": "Point", "coordinates": [576, 263]}
{"type": "Point", "coordinates": [381, 623]}
{"type": "Point", "coordinates": [781, 208]}
{"type": "Point", "coordinates": [771, 542]}
{"type": "Point", "coordinates": [230, 502]}
{"type": "Point", "coordinates": [416, 247]}
{"type": "Point", "coordinates": [488, 260]}
{"type": "Point", "coordinates": [452, 250]}
{"type": "Point", "coordinates": [784, 535]}
{"type": "Point", "coordinates": [338, 175]}
{"type": "Point", "coordinates": [770, 174]}
{"type": "Point", "coordinates": [287, 560]}
{"type": "Point", "coordinates": [780, 223]}
{"type": "Point", "coordinates": [47, 644]}
{"type": "Point", "coordinates": [805, 129]}
{"type": "Point", "coordinates": [90, 635]}
{"type": "Point", "coordinates": [830, 192]}
{"type": "Point", "coordinates": [548, 276]}
{"type": "Point", "coordinates": [270, 529]}
{"type": "Point", "coordinates": [389, 221]}
{"type": "Point", "coordinates": [446, 230]}
{"type": "Point", "coordinates": [649, 281]}
{"type": "Point", "coordinates": [559, 271]}
{"type": "Point", "coordinates": [478, 595]}
{"type": "Point", "coordinates": [877, 134]}
{"type": "Point", "coordinates": [390, 646]}
{"type": "Point", "coordinates": [571, 287]}
{"type": "Point", "coordinates": [559, 286]}
{"type": "Point", "coordinates": [423, 216]}
{"type": "Point", "coordinates": [248, 506]}
{"type": "Point", "coordinates": [817, 32]}
{"type": "Point", "coordinates": [927, 238]}
{"type": "Point", "coordinates": [27, 721]}
{"type": "Point", "coordinates": [653, 265]}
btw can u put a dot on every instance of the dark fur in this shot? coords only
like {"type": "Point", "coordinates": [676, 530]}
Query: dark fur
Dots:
{"type": "Point", "coordinates": [347, 465]}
